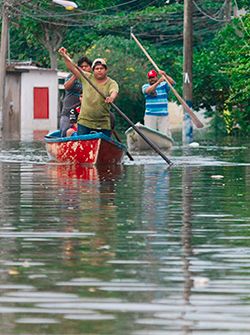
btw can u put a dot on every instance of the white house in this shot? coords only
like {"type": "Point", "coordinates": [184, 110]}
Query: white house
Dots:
{"type": "Point", "coordinates": [31, 102]}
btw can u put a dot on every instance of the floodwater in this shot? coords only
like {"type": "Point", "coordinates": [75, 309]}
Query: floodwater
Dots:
{"type": "Point", "coordinates": [133, 250]}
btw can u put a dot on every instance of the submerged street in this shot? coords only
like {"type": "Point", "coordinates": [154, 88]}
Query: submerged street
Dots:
{"type": "Point", "coordinates": [134, 249]}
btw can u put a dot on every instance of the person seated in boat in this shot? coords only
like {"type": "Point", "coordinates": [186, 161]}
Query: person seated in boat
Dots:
{"type": "Point", "coordinates": [74, 112]}
{"type": "Point", "coordinates": [73, 90]}
{"type": "Point", "coordinates": [156, 93]}
{"type": "Point", "coordinates": [72, 131]}
{"type": "Point", "coordinates": [94, 114]}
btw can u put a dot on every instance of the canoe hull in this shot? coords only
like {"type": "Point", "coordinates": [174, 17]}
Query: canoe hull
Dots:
{"type": "Point", "coordinates": [94, 149]}
{"type": "Point", "coordinates": [136, 143]}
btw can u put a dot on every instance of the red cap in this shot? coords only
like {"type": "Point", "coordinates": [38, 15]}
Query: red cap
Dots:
{"type": "Point", "coordinates": [152, 74]}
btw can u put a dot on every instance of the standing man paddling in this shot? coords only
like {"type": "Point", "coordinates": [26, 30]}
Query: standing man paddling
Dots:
{"type": "Point", "coordinates": [156, 93]}
{"type": "Point", "coordinates": [94, 114]}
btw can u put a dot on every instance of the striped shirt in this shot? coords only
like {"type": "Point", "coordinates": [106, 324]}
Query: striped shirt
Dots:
{"type": "Point", "coordinates": [157, 102]}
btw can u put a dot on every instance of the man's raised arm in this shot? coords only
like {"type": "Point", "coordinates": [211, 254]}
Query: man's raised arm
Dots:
{"type": "Point", "coordinates": [63, 52]}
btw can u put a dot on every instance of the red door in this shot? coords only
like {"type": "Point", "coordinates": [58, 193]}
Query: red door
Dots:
{"type": "Point", "coordinates": [41, 102]}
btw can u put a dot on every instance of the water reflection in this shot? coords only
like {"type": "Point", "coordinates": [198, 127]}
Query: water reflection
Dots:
{"type": "Point", "coordinates": [84, 172]}
{"type": "Point", "coordinates": [186, 236]}
{"type": "Point", "coordinates": [89, 192]}
{"type": "Point", "coordinates": [135, 249]}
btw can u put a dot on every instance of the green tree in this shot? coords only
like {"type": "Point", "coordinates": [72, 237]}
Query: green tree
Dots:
{"type": "Point", "coordinates": [222, 78]}
{"type": "Point", "coordinates": [46, 25]}
{"type": "Point", "coordinates": [43, 25]}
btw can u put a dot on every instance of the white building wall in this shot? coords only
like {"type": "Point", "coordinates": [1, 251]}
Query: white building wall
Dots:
{"type": "Point", "coordinates": [37, 78]}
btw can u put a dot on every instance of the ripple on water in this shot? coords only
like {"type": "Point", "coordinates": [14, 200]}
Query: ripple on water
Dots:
{"type": "Point", "coordinates": [90, 317]}
{"type": "Point", "coordinates": [189, 160]}
{"type": "Point", "coordinates": [36, 321]}
{"type": "Point", "coordinates": [50, 234]}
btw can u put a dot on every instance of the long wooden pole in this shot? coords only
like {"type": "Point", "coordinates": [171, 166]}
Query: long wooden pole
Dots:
{"type": "Point", "coordinates": [194, 118]}
{"type": "Point", "coordinates": [124, 116]}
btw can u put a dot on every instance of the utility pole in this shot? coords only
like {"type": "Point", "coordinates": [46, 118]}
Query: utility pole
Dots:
{"type": "Point", "coordinates": [187, 130]}
{"type": "Point", "coordinates": [3, 54]}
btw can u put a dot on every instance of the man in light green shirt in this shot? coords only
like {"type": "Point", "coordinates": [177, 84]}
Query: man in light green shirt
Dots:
{"type": "Point", "coordinates": [94, 115]}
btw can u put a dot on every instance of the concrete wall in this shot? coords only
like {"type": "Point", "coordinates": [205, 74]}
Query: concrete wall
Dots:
{"type": "Point", "coordinates": [28, 125]}
{"type": "Point", "coordinates": [176, 117]}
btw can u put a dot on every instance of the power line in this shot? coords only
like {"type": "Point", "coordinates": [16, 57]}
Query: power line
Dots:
{"type": "Point", "coordinates": [42, 15]}
{"type": "Point", "coordinates": [80, 11]}
{"type": "Point", "coordinates": [161, 23]}
{"type": "Point", "coordinates": [208, 15]}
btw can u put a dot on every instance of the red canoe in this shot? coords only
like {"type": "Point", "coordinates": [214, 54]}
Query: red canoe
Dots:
{"type": "Point", "coordinates": [95, 148]}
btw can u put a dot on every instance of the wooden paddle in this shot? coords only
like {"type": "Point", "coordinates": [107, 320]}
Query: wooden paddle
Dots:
{"type": "Point", "coordinates": [194, 118]}
{"type": "Point", "coordinates": [124, 116]}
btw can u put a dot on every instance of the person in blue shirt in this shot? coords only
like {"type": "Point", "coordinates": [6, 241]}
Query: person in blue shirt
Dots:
{"type": "Point", "coordinates": [156, 93]}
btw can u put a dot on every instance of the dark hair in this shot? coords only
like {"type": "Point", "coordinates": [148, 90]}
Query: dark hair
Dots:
{"type": "Point", "coordinates": [84, 60]}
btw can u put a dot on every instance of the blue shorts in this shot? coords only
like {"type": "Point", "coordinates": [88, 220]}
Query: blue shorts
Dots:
{"type": "Point", "coordinates": [82, 130]}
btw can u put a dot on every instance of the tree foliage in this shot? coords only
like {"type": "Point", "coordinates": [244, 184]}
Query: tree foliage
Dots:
{"type": "Point", "coordinates": [46, 24]}
{"type": "Point", "coordinates": [222, 75]}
